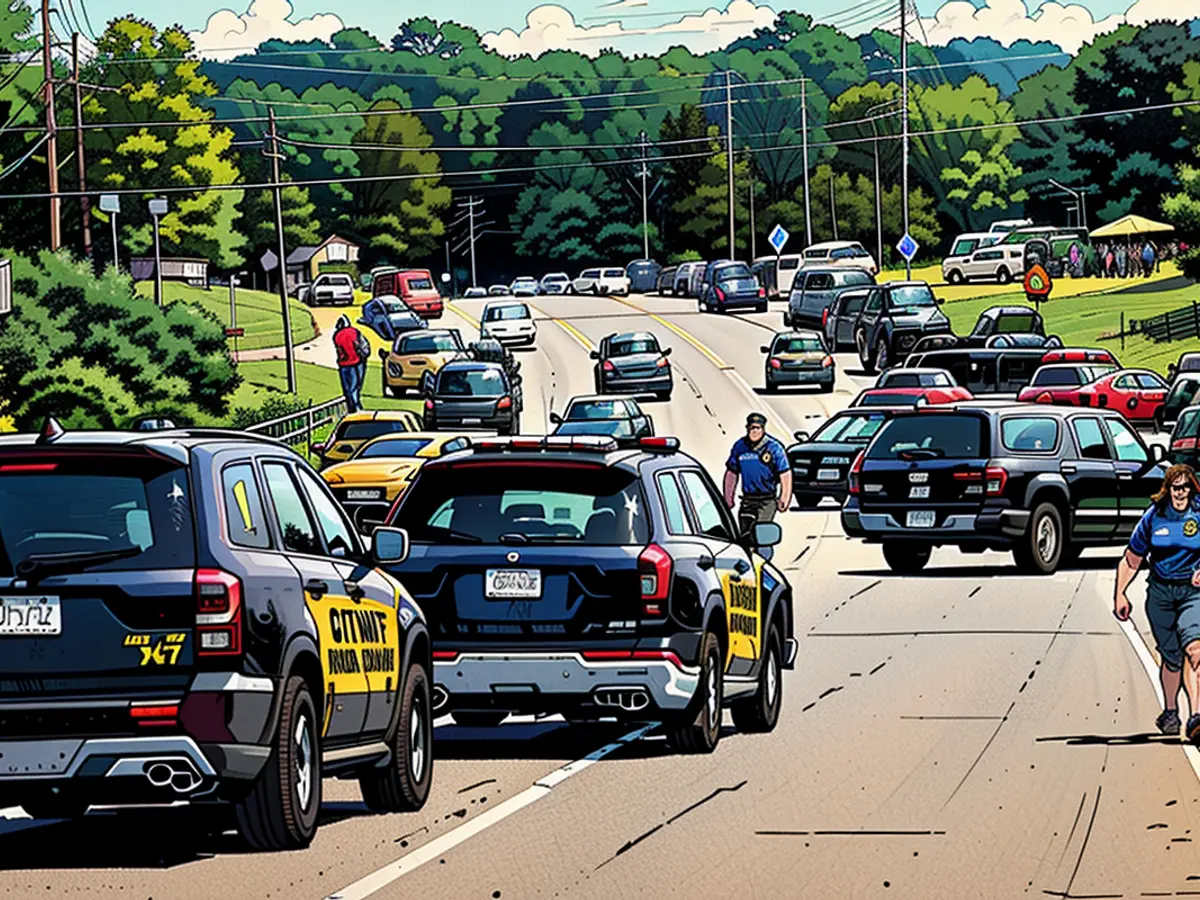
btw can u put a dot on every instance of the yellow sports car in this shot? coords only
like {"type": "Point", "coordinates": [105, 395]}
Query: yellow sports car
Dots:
{"type": "Point", "coordinates": [382, 469]}
{"type": "Point", "coordinates": [357, 428]}
{"type": "Point", "coordinates": [416, 354]}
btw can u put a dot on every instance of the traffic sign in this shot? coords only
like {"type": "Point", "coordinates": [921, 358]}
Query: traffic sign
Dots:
{"type": "Point", "coordinates": [1038, 282]}
{"type": "Point", "coordinates": [778, 237]}
{"type": "Point", "coordinates": [908, 247]}
{"type": "Point", "coordinates": [235, 332]}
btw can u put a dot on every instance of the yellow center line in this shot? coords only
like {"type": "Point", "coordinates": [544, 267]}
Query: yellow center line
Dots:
{"type": "Point", "coordinates": [459, 311]}
{"type": "Point", "coordinates": [580, 338]}
{"type": "Point", "coordinates": [695, 342]}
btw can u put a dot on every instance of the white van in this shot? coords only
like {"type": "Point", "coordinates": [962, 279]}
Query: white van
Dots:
{"type": "Point", "coordinates": [1004, 226]}
{"type": "Point", "coordinates": [998, 262]}
{"type": "Point", "coordinates": [961, 249]}
{"type": "Point", "coordinates": [839, 253]}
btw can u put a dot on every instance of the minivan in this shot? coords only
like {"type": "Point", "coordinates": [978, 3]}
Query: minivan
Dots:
{"type": "Point", "coordinates": [840, 253]}
{"type": "Point", "coordinates": [417, 290]}
{"type": "Point", "coordinates": [815, 289]}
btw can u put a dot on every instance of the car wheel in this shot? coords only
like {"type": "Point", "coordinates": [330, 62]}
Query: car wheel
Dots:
{"type": "Point", "coordinates": [699, 729]}
{"type": "Point", "coordinates": [1039, 550]}
{"type": "Point", "coordinates": [280, 812]}
{"type": "Point", "coordinates": [864, 358]}
{"type": "Point", "coordinates": [905, 558]}
{"type": "Point", "coordinates": [1003, 276]}
{"type": "Point", "coordinates": [760, 712]}
{"type": "Point", "coordinates": [478, 718]}
{"type": "Point", "coordinates": [403, 785]}
{"type": "Point", "coordinates": [955, 277]}
{"type": "Point", "coordinates": [771, 386]}
{"type": "Point", "coordinates": [882, 357]}
{"type": "Point", "coordinates": [49, 805]}
{"type": "Point", "coordinates": [827, 387]}
{"type": "Point", "coordinates": [663, 395]}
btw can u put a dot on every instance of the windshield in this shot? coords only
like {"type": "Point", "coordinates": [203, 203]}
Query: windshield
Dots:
{"type": "Point", "coordinates": [1016, 324]}
{"type": "Point", "coordinates": [470, 383]}
{"type": "Point", "coordinates": [506, 313]}
{"type": "Point", "coordinates": [912, 297]}
{"type": "Point", "coordinates": [618, 428]}
{"type": "Point", "coordinates": [428, 343]}
{"type": "Point", "coordinates": [85, 506]}
{"type": "Point", "coordinates": [887, 398]}
{"type": "Point", "coordinates": [472, 504]}
{"type": "Point", "coordinates": [630, 347]}
{"type": "Point", "coordinates": [364, 431]}
{"type": "Point", "coordinates": [555, 278]}
{"type": "Point", "coordinates": [393, 447]}
{"type": "Point", "coordinates": [950, 436]}
{"type": "Point", "coordinates": [798, 345]}
{"type": "Point", "coordinates": [850, 429]}
{"type": "Point", "coordinates": [849, 253]}
{"type": "Point", "coordinates": [731, 273]}
{"type": "Point", "coordinates": [597, 409]}
{"type": "Point", "coordinates": [918, 379]}
{"type": "Point", "coordinates": [963, 247]}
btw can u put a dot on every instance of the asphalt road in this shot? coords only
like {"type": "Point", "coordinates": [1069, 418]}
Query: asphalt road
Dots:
{"type": "Point", "coordinates": [966, 733]}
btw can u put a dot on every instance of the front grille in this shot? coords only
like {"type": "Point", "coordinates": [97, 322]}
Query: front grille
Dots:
{"type": "Point", "coordinates": [69, 722]}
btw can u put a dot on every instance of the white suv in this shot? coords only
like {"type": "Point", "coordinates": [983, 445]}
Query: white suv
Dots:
{"type": "Point", "coordinates": [508, 323]}
{"type": "Point", "coordinates": [601, 281]}
{"type": "Point", "coordinates": [1000, 263]}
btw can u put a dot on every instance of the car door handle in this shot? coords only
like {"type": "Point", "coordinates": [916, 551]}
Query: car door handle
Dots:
{"type": "Point", "coordinates": [316, 587]}
{"type": "Point", "coordinates": [1125, 476]}
{"type": "Point", "coordinates": [705, 562]}
{"type": "Point", "coordinates": [354, 591]}
{"type": "Point", "coordinates": [742, 567]}
{"type": "Point", "coordinates": [1068, 469]}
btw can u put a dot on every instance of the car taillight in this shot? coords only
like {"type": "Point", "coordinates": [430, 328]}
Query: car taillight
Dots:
{"type": "Point", "coordinates": [827, 362]}
{"type": "Point", "coordinates": [775, 363]}
{"type": "Point", "coordinates": [856, 472]}
{"type": "Point", "coordinates": [147, 715]}
{"type": "Point", "coordinates": [445, 655]}
{"type": "Point", "coordinates": [1045, 398]}
{"type": "Point", "coordinates": [661, 362]}
{"type": "Point", "coordinates": [720, 294]}
{"type": "Point", "coordinates": [1184, 444]}
{"type": "Point", "coordinates": [608, 366]}
{"type": "Point", "coordinates": [621, 655]}
{"type": "Point", "coordinates": [825, 317]}
{"type": "Point", "coordinates": [218, 613]}
{"type": "Point", "coordinates": [504, 403]}
{"type": "Point", "coordinates": [654, 571]}
{"type": "Point", "coordinates": [997, 477]}
{"type": "Point", "coordinates": [762, 292]}
{"type": "Point", "coordinates": [429, 405]}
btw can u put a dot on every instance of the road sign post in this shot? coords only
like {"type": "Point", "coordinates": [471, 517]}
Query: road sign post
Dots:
{"type": "Point", "coordinates": [1038, 285]}
{"type": "Point", "coordinates": [777, 238]}
{"type": "Point", "coordinates": [908, 248]}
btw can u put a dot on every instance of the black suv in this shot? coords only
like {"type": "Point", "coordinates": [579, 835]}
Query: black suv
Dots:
{"type": "Point", "coordinates": [566, 575]}
{"type": "Point", "coordinates": [188, 615]}
{"type": "Point", "coordinates": [894, 317]}
{"type": "Point", "coordinates": [1044, 482]}
{"type": "Point", "coordinates": [821, 462]}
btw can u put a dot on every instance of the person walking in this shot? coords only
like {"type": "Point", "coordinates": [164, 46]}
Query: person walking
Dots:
{"type": "Point", "coordinates": [1148, 257]}
{"type": "Point", "coordinates": [1169, 535]}
{"type": "Point", "coordinates": [1122, 261]}
{"type": "Point", "coordinates": [353, 350]}
{"type": "Point", "coordinates": [761, 463]}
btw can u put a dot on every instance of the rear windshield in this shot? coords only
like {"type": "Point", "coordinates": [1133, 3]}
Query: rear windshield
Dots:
{"type": "Point", "coordinates": [597, 409]}
{"type": "Point", "coordinates": [428, 343]}
{"type": "Point", "coordinates": [393, 306]}
{"type": "Point", "coordinates": [888, 398]}
{"type": "Point", "coordinates": [614, 273]}
{"type": "Point", "coordinates": [1016, 324]}
{"type": "Point", "coordinates": [470, 383]}
{"type": "Point", "coordinates": [498, 313]}
{"type": "Point", "coordinates": [1188, 424]}
{"type": "Point", "coordinates": [798, 345]}
{"type": "Point", "coordinates": [549, 279]}
{"type": "Point", "coordinates": [419, 284]}
{"type": "Point", "coordinates": [1183, 391]}
{"type": "Point", "coordinates": [912, 297]}
{"type": "Point", "coordinates": [393, 447]}
{"type": "Point", "coordinates": [629, 348]}
{"type": "Point", "coordinates": [364, 431]}
{"type": "Point", "coordinates": [930, 435]}
{"type": "Point", "coordinates": [850, 429]}
{"type": "Point", "coordinates": [477, 504]}
{"type": "Point", "coordinates": [618, 428]}
{"type": "Point", "coordinates": [849, 253]}
{"type": "Point", "coordinates": [1190, 362]}
{"type": "Point", "coordinates": [918, 379]}
{"type": "Point", "coordinates": [1029, 434]}
{"type": "Point", "coordinates": [139, 506]}
{"type": "Point", "coordinates": [730, 273]}
{"type": "Point", "coordinates": [1066, 377]}
{"type": "Point", "coordinates": [854, 278]}
{"type": "Point", "coordinates": [337, 279]}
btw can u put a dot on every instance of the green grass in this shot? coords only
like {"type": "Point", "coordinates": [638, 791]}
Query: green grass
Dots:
{"type": "Point", "coordinates": [257, 312]}
{"type": "Point", "coordinates": [314, 384]}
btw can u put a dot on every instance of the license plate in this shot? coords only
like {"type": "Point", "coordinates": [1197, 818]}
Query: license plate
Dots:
{"type": "Point", "coordinates": [828, 474]}
{"type": "Point", "coordinates": [919, 493]}
{"type": "Point", "coordinates": [364, 495]}
{"type": "Point", "coordinates": [920, 519]}
{"type": "Point", "coordinates": [23, 616]}
{"type": "Point", "coordinates": [472, 421]}
{"type": "Point", "coordinates": [506, 583]}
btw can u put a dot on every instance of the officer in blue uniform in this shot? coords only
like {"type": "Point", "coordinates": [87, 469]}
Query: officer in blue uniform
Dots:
{"type": "Point", "coordinates": [761, 463]}
{"type": "Point", "coordinates": [1169, 537]}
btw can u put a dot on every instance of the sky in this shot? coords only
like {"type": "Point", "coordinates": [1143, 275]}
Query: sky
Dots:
{"type": "Point", "coordinates": [222, 28]}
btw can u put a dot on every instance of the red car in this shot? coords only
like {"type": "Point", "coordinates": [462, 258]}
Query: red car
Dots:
{"type": "Point", "coordinates": [1135, 393]}
{"type": "Point", "coordinates": [913, 396]}
{"type": "Point", "coordinates": [1055, 383]}
{"type": "Point", "coordinates": [420, 293]}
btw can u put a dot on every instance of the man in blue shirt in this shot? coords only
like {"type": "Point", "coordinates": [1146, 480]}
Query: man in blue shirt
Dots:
{"type": "Point", "coordinates": [761, 463]}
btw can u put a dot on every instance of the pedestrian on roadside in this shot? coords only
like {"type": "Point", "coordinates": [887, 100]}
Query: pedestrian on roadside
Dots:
{"type": "Point", "coordinates": [1110, 263]}
{"type": "Point", "coordinates": [1169, 536]}
{"type": "Point", "coordinates": [1148, 257]}
{"type": "Point", "coordinates": [353, 350]}
{"type": "Point", "coordinates": [1122, 260]}
{"type": "Point", "coordinates": [761, 463]}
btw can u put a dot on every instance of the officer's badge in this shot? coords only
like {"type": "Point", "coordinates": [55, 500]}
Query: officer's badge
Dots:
{"type": "Point", "coordinates": [1190, 528]}
{"type": "Point", "coordinates": [765, 456]}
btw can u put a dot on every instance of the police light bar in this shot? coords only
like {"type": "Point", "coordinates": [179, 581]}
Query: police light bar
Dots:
{"type": "Point", "coordinates": [590, 442]}
{"type": "Point", "coordinates": [659, 444]}
{"type": "Point", "coordinates": [1079, 354]}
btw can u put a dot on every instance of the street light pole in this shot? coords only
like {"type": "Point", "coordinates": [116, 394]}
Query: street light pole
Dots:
{"type": "Point", "coordinates": [276, 156]}
{"type": "Point", "coordinates": [904, 119]}
{"type": "Point", "coordinates": [645, 203]}
{"type": "Point", "coordinates": [158, 208]}
{"type": "Point", "coordinates": [729, 155]}
{"type": "Point", "coordinates": [804, 150]}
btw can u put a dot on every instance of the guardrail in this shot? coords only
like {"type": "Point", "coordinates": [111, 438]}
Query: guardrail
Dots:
{"type": "Point", "coordinates": [299, 427]}
{"type": "Point", "coordinates": [1170, 326]}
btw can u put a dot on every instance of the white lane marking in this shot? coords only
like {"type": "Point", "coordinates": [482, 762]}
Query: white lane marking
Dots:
{"type": "Point", "coordinates": [442, 844]}
{"type": "Point", "coordinates": [14, 812]}
{"type": "Point", "coordinates": [1142, 651]}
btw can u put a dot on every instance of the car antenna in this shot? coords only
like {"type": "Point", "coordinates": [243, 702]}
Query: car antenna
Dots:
{"type": "Point", "coordinates": [51, 431]}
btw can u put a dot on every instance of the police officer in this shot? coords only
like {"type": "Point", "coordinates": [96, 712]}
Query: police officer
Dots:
{"type": "Point", "coordinates": [761, 463]}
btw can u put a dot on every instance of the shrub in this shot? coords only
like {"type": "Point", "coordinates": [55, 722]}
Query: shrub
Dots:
{"type": "Point", "coordinates": [271, 408]}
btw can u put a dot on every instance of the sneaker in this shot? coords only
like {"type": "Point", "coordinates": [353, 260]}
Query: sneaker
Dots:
{"type": "Point", "coordinates": [1193, 728]}
{"type": "Point", "coordinates": [1168, 721]}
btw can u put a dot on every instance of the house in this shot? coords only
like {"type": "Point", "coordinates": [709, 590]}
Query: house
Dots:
{"type": "Point", "coordinates": [304, 264]}
{"type": "Point", "coordinates": [174, 268]}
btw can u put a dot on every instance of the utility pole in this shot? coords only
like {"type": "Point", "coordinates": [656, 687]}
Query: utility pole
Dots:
{"type": "Point", "coordinates": [453, 285]}
{"type": "Point", "coordinates": [804, 143]}
{"type": "Point", "coordinates": [276, 156]}
{"type": "Point", "coordinates": [878, 205]}
{"type": "Point", "coordinates": [904, 120]}
{"type": "Point", "coordinates": [645, 202]}
{"type": "Point", "coordinates": [753, 236]}
{"type": "Point", "coordinates": [51, 132]}
{"type": "Point", "coordinates": [832, 206]}
{"type": "Point", "coordinates": [471, 208]}
{"type": "Point", "coordinates": [79, 165]}
{"type": "Point", "coordinates": [468, 243]}
{"type": "Point", "coordinates": [729, 154]}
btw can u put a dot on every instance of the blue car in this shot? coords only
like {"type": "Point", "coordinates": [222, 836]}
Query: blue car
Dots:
{"type": "Point", "coordinates": [388, 316]}
{"type": "Point", "coordinates": [731, 286]}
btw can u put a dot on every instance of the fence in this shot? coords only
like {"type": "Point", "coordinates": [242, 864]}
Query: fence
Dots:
{"type": "Point", "coordinates": [1170, 326]}
{"type": "Point", "coordinates": [299, 427]}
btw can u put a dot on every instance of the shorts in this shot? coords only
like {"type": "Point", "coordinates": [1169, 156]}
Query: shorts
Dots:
{"type": "Point", "coordinates": [1174, 614]}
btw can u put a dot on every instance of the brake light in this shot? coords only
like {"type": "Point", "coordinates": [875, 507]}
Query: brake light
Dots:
{"type": "Point", "coordinates": [661, 362]}
{"type": "Point", "coordinates": [218, 613]}
{"type": "Point", "coordinates": [608, 366]}
{"type": "Point", "coordinates": [997, 478]}
{"type": "Point", "coordinates": [762, 292]}
{"type": "Point", "coordinates": [445, 655]}
{"type": "Point", "coordinates": [1184, 444]}
{"type": "Point", "coordinates": [856, 472]}
{"type": "Point", "coordinates": [429, 405]}
{"type": "Point", "coordinates": [621, 655]}
{"type": "Point", "coordinates": [775, 363]}
{"type": "Point", "coordinates": [151, 716]}
{"type": "Point", "coordinates": [24, 468]}
{"type": "Point", "coordinates": [1045, 398]}
{"type": "Point", "coordinates": [720, 294]}
{"type": "Point", "coordinates": [504, 403]}
{"type": "Point", "coordinates": [654, 570]}
{"type": "Point", "coordinates": [824, 317]}
{"type": "Point", "coordinates": [827, 362]}
{"type": "Point", "coordinates": [659, 442]}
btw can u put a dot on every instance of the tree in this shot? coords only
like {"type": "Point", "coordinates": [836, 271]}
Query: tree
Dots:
{"type": "Point", "coordinates": [423, 37]}
{"type": "Point", "coordinates": [1044, 106]}
{"type": "Point", "coordinates": [704, 215]}
{"type": "Point", "coordinates": [1182, 209]}
{"type": "Point", "coordinates": [860, 108]}
{"type": "Point", "coordinates": [301, 226]}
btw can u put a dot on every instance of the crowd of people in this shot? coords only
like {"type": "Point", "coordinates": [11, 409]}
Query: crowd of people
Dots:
{"type": "Point", "coordinates": [1133, 258]}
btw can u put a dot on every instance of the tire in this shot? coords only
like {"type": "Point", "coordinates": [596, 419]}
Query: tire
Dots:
{"type": "Point", "coordinates": [403, 785]}
{"type": "Point", "coordinates": [827, 387]}
{"type": "Point", "coordinates": [759, 713]}
{"type": "Point", "coordinates": [883, 358]}
{"type": "Point", "coordinates": [699, 729]}
{"type": "Point", "coordinates": [864, 356]}
{"type": "Point", "coordinates": [1003, 276]}
{"type": "Point", "coordinates": [48, 805]}
{"type": "Point", "coordinates": [663, 395]}
{"type": "Point", "coordinates": [904, 558]}
{"type": "Point", "coordinates": [478, 718]}
{"type": "Point", "coordinates": [955, 277]}
{"type": "Point", "coordinates": [280, 812]}
{"type": "Point", "coordinates": [1039, 551]}
{"type": "Point", "coordinates": [771, 387]}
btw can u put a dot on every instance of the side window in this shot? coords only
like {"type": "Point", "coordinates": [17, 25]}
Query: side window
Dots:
{"type": "Point", "coordinates": [246, 523]}
{"type": "Point", "coordinates": [1151, 382]}
{"type": "Point", "coordinates": [1128, 447]}
{"type": "Point", "coordinates": [1126, 383]}
{"type": "Point", "coordinates": [668, 489]}
{"type": "Point", "coordinates": [1091, 439]}
{"type": "Point", "coordinates": [334, 527]}
{"type": "Point", "coordinates": [874, 302]}
{"type": "Point", "coordinates": [819, 282]}
{"type": "Point", "coordinates": [704, 506]}
{"type": "Point", "coordinates": [853, 304]}
{"type": "Point", "coordinates": [299, 534]}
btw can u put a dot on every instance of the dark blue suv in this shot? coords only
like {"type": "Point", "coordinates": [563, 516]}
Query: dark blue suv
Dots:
{"type": "Point", "coordinates": [566, 575]}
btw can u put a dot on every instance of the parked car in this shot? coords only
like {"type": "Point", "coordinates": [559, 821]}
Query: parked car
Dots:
{"type": "Point", "coordinates": [1002, 227]}
{"type": "Point", "coordinates": [1183, 392]}
{"type": "Point", "coordinates": [642, 275]}
{"type": "Point", "coordinates": [821, 462]}
{"type": "Point", "coordinates": [470, 394]}
{"type": "Point", "coordinates": [915, 378]}
{"type": "Point", "coordinates": [620, 418]}
{"type": "Point", "coordinates": [524, 287]}
{"type": "Point", "coordinates": [509, 323]}
{"type": "Point", "coordinates": [181, 652]}
{"type": "Point", "coordinates": [390, 316]}
{"type": "Point", "coordinates": [473, 292]}
{"type": "Point", "coordinates": [911, 396]}
{"type": "Point", "coordinates": [555, 283]}
{"type": "Point", "coordinates": [665, 283]}
{"type": "Point", "coordinates": [328, 289]}
{"type": "Point", "coordinates": [1137, 394]}
{"type": "Point", "coordinates": [616, 609]}
{"type": "Point", "coordinates": [814, 290]}
{"type": "Point", "coordinates": [588, 282]}
{"type": "Point", "coordinates": [1006, 320]}
{"type": "Point", "coordinates": [966, 243]}
{"type": "Point", "coordinates": [1079, 355]}
{"type": "Point", "coordinates": [992, 373]}
{"type": "Point", "coordinates": [841, 317]}
{"type": "Point", "coordinates": [419, 292]}
{"type": "Point", "coordinates": [731, 286]}
{"type": "Point", "coordinates": [798, 357]}
{"type": "Point", "coordinates": [1184, 446]}
{"type": "Point", "coordinates": [498, 290]}
{"type": "Point", "coordinates": [988, 263]}
{"type": "Point", "coordinates": [633, 362]}
{"type": "Point", "coordinates": [688, 278]}
{"type": "Point", "coordinates": [840, 253]}
{"type": "Point", "coordinates": [895, 316]}
{"type": "Point", "coordinates": [355, 429]}
{"type": "Point", "coordinates": [384, 281]}
{"type": "Point", "coordinates": [1188, 362]}
{"type": "Point", "coordinates": [787, 269]}
{"type": "Point", "coordinates": [416, 355]}
{"type": "Point", "coordinates": [1044, 482]}
{"type": "Point", "coordinates": [615, 282]}
{"type": "Point", "coordinates": [1049, 382]}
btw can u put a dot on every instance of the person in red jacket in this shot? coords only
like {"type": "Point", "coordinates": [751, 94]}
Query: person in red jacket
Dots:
{"type": "Point", "coordinates": [353, 350]}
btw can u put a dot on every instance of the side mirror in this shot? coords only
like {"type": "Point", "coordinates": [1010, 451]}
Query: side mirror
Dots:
{"type": "Point", "coordinates": [764, 349]}
{"type": "Point", "coordinates": [383, 354]}
{"type": "Point", "coordinates": [389, 546]}
{"type": "Point", "coordinates": [667, 352]}
{"type": "Point", "coordinates": [767, 534]}
{"type": "Point", "coordinates": [1157, 453]}
{"type": "Point", "coordinates": [802, 437]}
{"type": "Point", "coordinates": [318, 447]}
{"type": "Point", "coordinates": [555, 418]}
{"type": "Point", "coordinates": [595, 354]}
{"type": "Point", "coordinates": [940, 301]}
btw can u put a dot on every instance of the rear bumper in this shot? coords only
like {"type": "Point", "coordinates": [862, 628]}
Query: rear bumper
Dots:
{"type": "Point", "coordinates": [637, 385]}
{"type": "Point", "coordinates": [515, 340]}
{"type": "Point", "coordinates": [988, 527]}
{"type": "Point", "coordinates": [431, 309]}
{"type": "Point", "coordinates": [439, 422]}
{"type": "Point", "coordinates": [739, 303]}
{"type": "Point", "coordinates": [801, 376]}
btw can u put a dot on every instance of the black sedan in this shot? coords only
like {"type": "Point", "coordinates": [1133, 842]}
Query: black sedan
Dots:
{"type": "Point", "coordinates": [468, 394]}
{"type": "Point", "coordinates": [732, 286]}
{"type": "Point", "coordinates": [820, 462]}
{"type": "Point", "coordinates": [616, 417]}
{"type": "Point", "coordinates": [633, 362]}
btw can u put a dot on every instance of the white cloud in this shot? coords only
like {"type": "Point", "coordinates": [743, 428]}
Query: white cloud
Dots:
{"type": "Point", "coordinates": [551, 27]}
{"type": "Point", "coordinates": [227, 34]}
{"type": "Point", "coordinates": [1070, 25]}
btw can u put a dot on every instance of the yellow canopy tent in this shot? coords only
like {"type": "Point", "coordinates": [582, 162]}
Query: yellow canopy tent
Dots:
{"type": "Point", "coordinates": [1130, 225]}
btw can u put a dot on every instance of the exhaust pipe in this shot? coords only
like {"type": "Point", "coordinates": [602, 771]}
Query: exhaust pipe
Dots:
{"type": "Point", "coordinates": [627, 699]}
{"type": "Point", "coordinates": [440, 698]}
{"type": "Point", "coordinates": [159, 774]}
{"type": "Point", "coordinates": [180, 775]}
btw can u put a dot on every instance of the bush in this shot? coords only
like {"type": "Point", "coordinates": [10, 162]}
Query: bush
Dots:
{"type": "Point", "coordinates": [685, 256]}
{"type": "Point", "coordinates": [89, 352]}
{"type": "Point", "coordinates": [271, 408]}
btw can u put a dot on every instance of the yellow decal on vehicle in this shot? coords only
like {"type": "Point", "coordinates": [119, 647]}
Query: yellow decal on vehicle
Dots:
{"type": "Point", "coordinates": [162, 650]}
{"type": "Point", "coordinates": [743, 609]}
{"type": "Point", "coordinates": [243, 503]}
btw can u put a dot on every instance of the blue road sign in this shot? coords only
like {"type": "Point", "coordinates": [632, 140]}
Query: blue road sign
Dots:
{"type": "Point", "coordinates": [908, 247]}
{"type": "Point", "coordinates": [778, 237]}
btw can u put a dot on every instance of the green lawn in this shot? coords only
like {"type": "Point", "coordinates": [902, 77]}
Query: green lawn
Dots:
{"type": "Point", "coordinates": [314, 384]}
{"type": "Point", "coordinates": [257, 312]}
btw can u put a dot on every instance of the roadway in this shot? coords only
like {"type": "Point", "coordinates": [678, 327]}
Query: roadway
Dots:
{"type": "Point", "coordinates": [969, 732]}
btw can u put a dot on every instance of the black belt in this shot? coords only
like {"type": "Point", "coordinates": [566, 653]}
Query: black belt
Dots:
{"type": "Point", "coordinates": [1171, 582]}
{"type": "Point", "coordinates": [758, 496]}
